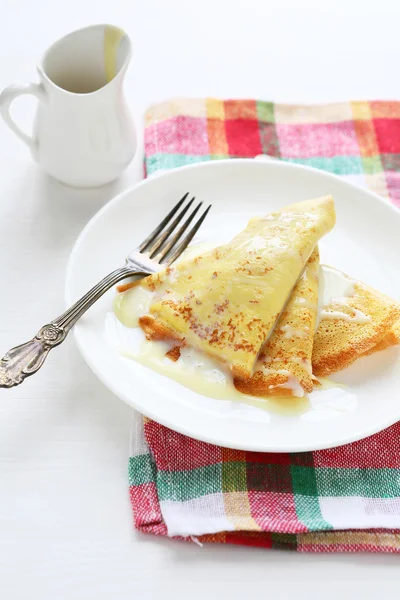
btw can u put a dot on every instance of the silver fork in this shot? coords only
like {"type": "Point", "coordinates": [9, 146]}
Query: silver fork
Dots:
{"type": "Point", "coordinates": [159, 250]}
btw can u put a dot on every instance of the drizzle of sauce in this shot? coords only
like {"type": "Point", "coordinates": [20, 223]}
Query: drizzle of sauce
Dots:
{"type": "Point", "coordinates": [335, 286]}
{"type": "Point", "coordinates": [304, 302]}
{"type": "Point", "coordinates": [290, 332]}
{"type": "Point", "coordinates": [357, 317]}
{"type": "Point", "coordinates": [131, 305]}
{"type": "Point", "coordinates": [293, 384]}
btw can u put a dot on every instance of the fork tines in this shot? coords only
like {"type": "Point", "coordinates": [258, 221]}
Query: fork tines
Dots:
{"type": "Point", "coordinates": [161, 245]}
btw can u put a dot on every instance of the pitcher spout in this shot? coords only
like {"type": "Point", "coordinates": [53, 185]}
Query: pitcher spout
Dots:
{"type": "Point", "coordinates": [87, 60]}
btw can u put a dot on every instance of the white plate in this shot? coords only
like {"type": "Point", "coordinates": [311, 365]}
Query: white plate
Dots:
{"type": "Point", "coordinates": [365, 243]}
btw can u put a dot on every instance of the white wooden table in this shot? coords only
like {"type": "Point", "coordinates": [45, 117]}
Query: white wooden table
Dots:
{"type": "Point", "coordinates": [65, 519]}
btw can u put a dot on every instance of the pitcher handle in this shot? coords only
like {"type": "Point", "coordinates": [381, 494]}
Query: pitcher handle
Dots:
{"type": "Point", "coordinates": [8, 95]}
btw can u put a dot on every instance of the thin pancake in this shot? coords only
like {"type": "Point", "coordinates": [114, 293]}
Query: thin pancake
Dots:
{"type": "Point", "coordinates": [227, 301]}
{"type": "Point", "coordinates": [392, 338]}
{"type": "Point", "coordinates": [284, 365]}
{"type": "Point", "coordinates": [351, 326]}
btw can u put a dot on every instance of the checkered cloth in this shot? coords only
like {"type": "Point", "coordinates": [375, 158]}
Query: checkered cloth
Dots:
{"type": "Point", "coordinates": [345, 499]}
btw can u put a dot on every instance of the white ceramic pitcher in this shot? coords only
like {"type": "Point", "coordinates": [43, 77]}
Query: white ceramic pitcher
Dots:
{"type": "Point", "coordinates": [83, 132]}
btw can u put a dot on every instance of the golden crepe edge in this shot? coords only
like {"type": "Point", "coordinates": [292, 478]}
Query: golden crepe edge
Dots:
{"type": "Point", "coordinates": [339, 342]}
{"type": "Point", "coordinates": [391, 338]}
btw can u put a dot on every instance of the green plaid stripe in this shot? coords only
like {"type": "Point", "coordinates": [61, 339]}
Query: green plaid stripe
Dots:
{"type": "Point", "coordinates": [306, 492]}
{"type": "Point", "coordinates": [141, 469]}
{"type": "Point", "coordinates": [182, 486]}
{"type": "Point", "coordinates": [369, 483]}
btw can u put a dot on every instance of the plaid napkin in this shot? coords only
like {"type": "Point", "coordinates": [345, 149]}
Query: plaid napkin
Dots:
{"type": "Point", "coordinates": [346, 499]}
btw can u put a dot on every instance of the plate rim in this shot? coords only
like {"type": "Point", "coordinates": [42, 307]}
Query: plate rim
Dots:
{"type": "Point", "coordinates": [109, 384]}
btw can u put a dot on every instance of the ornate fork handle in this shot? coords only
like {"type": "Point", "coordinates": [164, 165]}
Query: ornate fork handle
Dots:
{"type": "Point", "coordinates": [26, 359]}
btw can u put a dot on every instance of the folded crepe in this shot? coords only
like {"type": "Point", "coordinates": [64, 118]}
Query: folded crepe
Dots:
{"type": "Point", "coordinates": [284, 364]}
{"type": "Point", "coordinates": [227, 301]}
{"type": "Point", "coordinates": [355, 320]}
